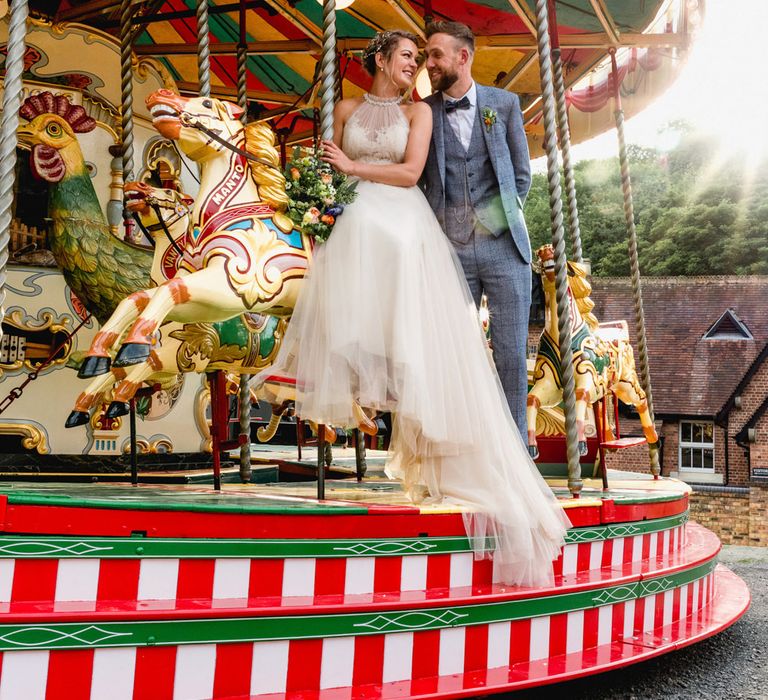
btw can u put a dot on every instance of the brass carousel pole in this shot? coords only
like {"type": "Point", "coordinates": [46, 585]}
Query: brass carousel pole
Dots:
{"type": "Point", "coordinates": [328, 75]}
{"type": "Point", "coordinates": [637, 293]}
{"type": "Point", "coordinates": [558, 242]}
{"type": "Point", "coordinates": [203, 49]}
{"type": "Point", "coordinates": [12, 94]}
{"type": "Point", "coordinates": [564, 135]}
{"type": "Point", "coordinates": [244, 393]}
{"type": "Point", "coordinates": [126, 102]}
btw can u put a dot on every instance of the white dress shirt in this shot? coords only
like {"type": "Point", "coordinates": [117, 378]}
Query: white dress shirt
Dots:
{"type": "Point", "coordinates": [463, 120]}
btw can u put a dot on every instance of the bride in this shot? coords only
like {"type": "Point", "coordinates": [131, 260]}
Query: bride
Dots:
{"type": "Point", "coordinates": [386, 321]}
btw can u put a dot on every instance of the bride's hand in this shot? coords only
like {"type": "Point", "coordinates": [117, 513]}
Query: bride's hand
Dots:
{"type": "Point", "coordinates": [337, 159]}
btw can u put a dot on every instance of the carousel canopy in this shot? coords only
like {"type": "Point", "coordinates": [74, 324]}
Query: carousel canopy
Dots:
{"type": "Point", "coordinates": [284, 38]}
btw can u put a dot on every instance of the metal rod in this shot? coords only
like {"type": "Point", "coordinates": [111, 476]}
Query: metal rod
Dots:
{"type": "Point", "coordinates": [134, 449]}
{"type": "Point", "coordinates": [328, 70]}
{"type": "Point", "coordinates": [14, 67]}
{"type": "Point", "coordinates": [126, 90]}
{"type": "Point", "coordinates": [634, 264]}
{"type": "Point", "coordinates": [558, 242]}
{"type": "Point", "coordinates": [320, 462]}
{"type": "Point", "coordinates": [564, 135]}
{"type": "Point", "coordinates": [203, 51]}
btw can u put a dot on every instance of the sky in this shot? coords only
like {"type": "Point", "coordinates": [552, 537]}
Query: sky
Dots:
{"type": "Point", "coordinates": [722, 89]}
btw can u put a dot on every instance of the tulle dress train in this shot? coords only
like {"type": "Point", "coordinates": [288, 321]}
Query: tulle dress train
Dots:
{"type": "Point", "coordinates": [386, 319]}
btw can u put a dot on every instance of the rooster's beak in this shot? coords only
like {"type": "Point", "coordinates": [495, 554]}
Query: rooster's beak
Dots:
{"type": "Point", "coordinates": [24, 135]}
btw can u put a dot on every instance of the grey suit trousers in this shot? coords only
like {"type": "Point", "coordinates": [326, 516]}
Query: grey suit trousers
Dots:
{"type": "Point", "coordinates": [494, 267]}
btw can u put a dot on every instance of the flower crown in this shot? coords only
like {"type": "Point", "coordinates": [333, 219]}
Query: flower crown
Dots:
{"type": "Point", "coordinates": [377, 44]}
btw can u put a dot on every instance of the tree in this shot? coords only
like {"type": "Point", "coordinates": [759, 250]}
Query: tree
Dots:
{"type": "Point", "coordinates": [696, 212]}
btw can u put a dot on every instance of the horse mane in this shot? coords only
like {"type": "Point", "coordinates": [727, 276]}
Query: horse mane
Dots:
{"type": "Point", "coordinates": [260, 142]}
{"type": "Point", "coordinates": [581, 289]}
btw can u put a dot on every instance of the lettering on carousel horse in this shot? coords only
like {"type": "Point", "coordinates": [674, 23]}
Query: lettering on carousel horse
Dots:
{"type": "Point", "coordinates": [225, 192]}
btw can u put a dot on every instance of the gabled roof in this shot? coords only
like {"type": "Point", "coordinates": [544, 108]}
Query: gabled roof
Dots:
{"type": "Point", "coordinates": [690, 374]}
{"type": "Point", "coordinates": [742, 385]}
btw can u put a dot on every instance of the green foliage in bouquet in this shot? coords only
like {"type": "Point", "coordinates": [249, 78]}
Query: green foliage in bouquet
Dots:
{"type": "Point", "coordinates": [317, 194]}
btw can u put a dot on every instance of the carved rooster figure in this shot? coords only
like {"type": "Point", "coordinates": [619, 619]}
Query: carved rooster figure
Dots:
{"type": "Point", "coordinates": [98, 267]}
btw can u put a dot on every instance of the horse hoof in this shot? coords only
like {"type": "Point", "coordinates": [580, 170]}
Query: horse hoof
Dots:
{"type": "Point", "coordinates": [77, 418]}
{"type": "Point", "coordinates": [131, 354]}
{"type": "Point", "coordinates": [117, 409]}
{"type": "Point", "coordinates": [533, 451]}
{"type": "Point", "coordinates": [93, 366]}
{"type": "Point", "coordinates": [582, 447]}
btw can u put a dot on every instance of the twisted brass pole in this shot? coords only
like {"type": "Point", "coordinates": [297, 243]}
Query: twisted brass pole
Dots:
{"type": "Point", "coordinates": [634, 264]}
{"type": "Point", "coordinates": [564, 136]}
{"type": "Point", "coordinates": [244, 395]}
{"type": "Point", "coordinates": [328, 70]}
{"type": "Point", "coordinates": [558, 242]}
{"type": "Point", "coordinates": [203, 50]}
{"type": "Point", "coordinates": [126, 93]}
{"type": "Point", "coordinates": [12, 94]}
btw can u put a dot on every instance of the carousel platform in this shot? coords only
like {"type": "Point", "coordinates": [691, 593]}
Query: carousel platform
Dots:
{"type": "Point", "coordinates": [261, 591]}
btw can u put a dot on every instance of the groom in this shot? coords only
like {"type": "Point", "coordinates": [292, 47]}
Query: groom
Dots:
{"type": "Point", "coordinates": [476, 179]}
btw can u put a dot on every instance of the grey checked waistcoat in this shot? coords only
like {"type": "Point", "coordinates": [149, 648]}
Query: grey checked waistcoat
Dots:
{"type": "Point", "coordinates": [471, 190]}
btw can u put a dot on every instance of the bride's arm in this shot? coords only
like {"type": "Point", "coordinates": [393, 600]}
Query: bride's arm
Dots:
{"type": "Point", "coordinates": [405, 174]}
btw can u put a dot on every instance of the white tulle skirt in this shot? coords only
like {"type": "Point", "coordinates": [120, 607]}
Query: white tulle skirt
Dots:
{"type": "Point", "coordinates": [386, 319]}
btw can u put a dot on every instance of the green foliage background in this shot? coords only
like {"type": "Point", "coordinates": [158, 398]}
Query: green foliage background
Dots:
{"type": "Point", "coordinates": [698, 211]}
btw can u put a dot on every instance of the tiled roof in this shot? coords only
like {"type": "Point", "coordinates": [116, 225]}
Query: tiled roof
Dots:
{"type": "Point", "coordinates": [690, 374]}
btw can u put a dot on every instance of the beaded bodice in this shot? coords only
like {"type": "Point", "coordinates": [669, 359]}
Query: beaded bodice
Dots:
{"type": "Point", "coordinates": [377, 131]}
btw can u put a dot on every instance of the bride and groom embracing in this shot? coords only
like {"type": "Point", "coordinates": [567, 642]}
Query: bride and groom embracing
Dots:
{"type": "Point", "coordinates": [388, 318]}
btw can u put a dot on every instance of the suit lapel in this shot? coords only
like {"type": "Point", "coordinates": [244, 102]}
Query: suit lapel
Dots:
{"type": "Point", "coordinates": [438, 136]}
{"type": "Point", "coordinates": [484, 100]}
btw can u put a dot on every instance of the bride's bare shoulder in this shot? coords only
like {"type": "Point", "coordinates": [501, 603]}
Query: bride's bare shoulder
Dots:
{"type": "Point", "coordinates": [348, 105]}
{"type": "Point", "coordinates": [415, 110]}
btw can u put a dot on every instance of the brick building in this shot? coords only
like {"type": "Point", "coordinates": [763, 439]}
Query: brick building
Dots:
{"type": "Point", "coordinates": [708, 355]}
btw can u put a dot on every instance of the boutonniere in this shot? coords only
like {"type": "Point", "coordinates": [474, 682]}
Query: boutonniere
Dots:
{"type": "Point", "coordinates": [489, 118]}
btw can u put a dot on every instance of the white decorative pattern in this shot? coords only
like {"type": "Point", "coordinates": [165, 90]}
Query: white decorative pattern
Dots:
{"type": "Point", "coordinates": [451, 651]}
{"type": "Point", "coordinates": [269, 670]}
{"type": "Point", "coordinates": [336, 667]}
{"type": "Point", "coordinates": [158, 579]}
{"type": "Point", "coordinates": [390, 547]}
{"type": "Point", "coordinates": [461, 569]}
{"type": "Point", "coordinates": [77, 579]}
{"type": "Point", "coordinates": [113, 673]}
{"type": "Point", "coordinates": [299, 577]}
{"type": "Point", "coordinates": [231, 578]}
{"type": "Point", "coordinates": [499, 636]}
{"type": "Point", "coordinates": [360, 575]}
{"type": "Point", "coordinates": [195, 669]}
{"type": "Point", "coordinates": [414, 573]}
{"type": "Point", "coordinates": [25, 675]}
{"type": "Point", "coordinates": [398, 655]}
{"type": "Point", "coordinates": [411, 620]}
{"type": "Point", "coordinates": [539, 638]}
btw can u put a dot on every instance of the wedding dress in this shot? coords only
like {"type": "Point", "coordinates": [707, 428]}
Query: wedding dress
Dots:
{"type": "Point", "coordinates": [386, 319]}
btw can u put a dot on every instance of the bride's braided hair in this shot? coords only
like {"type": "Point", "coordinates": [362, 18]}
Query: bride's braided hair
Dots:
{"type": "Point", "coordinates": [385, 44]}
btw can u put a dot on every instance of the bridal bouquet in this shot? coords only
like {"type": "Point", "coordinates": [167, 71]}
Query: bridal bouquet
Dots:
{"type": "Point", "coordinates": [316, 193]}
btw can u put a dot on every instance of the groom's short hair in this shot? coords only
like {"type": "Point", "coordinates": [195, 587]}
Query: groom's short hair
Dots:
{"type": "Point", "coordinates": [461, 32]}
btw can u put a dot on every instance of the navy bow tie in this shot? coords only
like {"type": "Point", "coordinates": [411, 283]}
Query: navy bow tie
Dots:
{"type": "Point", "coordinates": [463, 103]}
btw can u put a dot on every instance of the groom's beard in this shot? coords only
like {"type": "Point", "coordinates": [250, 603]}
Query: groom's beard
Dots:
{"type": "Point", "coordinates": [444, 81]}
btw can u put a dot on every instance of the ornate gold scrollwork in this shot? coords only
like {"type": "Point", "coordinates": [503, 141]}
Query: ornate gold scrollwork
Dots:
{"type": "Point", "coordinates": [46, 320]}
{"type": "Point", "coordinates": [34, 436]}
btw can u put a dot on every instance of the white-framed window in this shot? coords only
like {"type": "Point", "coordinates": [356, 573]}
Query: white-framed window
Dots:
{"type": "Point", "coordinates": [697, 446]}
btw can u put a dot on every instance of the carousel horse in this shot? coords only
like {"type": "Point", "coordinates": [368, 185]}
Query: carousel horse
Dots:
{"type": "Point", "coordinates": [603, 361]}
{"type": "Point", "coordinates": [243, 254]}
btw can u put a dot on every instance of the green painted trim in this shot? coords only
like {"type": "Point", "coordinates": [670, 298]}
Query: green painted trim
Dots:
{"type": "Point", "coordinates": [194, 548]}
{"type": "Point", "coordinates": [249, 629]}
{"type": "Point", "coordinates": [296, 508]}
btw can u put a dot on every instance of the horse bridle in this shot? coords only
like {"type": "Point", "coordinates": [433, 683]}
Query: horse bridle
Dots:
{"type": "Point", "coordinates": [157, 205]}
{"type": "Point", "coordinates": [190, 121]}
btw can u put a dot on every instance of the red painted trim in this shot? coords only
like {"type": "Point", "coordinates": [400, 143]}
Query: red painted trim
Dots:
{"type": "Point", "coordinates": [426, 654]}
{"type": "Point", "coordinates": [438, 571]}
{"type": "Point", "coordinates": [266, 578]}
{"type": "Point", "coordinates": [387, 574]}
{"type": "Point", "coordinates": [118, 579]}
{"type": "Point", "coordinates": [591, 618]}
{"type": "Point", "coordinates": [381, 521]}
{"type": "Point", "coordinates": [69, 674]}
{"type": "Point", "coordinates": [304, 662]}
{"type": "Point", "coordinates": [370, 648]}
{"type": "Point", "coordinates": [195, 579]}
{"type": "Point", "coordinates": [519, 641]}
{"type": "Point", "coordinates": [330, 575]}
{"type": "Point", "coordinates": [476, 648]}
{"type": "Point", "coordinates": [232, 676]}
{"type": "Point", "coordinates": [154, 674]}
{"type": "Point", "coordinates": [34, 580]}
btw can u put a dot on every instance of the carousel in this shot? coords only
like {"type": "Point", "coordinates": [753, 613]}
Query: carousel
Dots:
{"type": "Point", "coordinates": [142, 143]}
